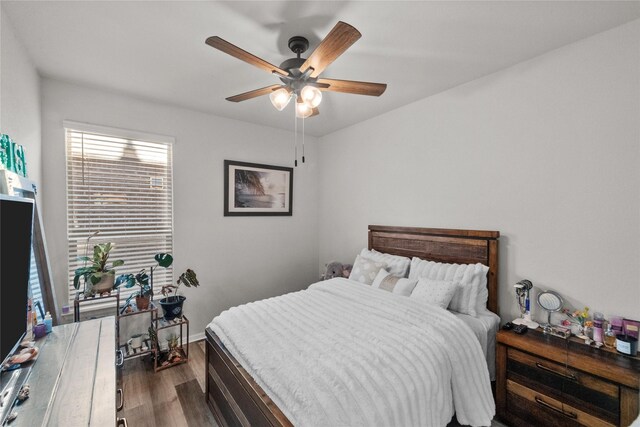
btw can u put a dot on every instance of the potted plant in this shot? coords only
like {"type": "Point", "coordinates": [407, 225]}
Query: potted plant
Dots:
{"type": "Point", "coordinates": [98, 275]}
{"type": "Point", "coordinates": [172, 304]}
{"type": "Point", "coordinates": [143, 296]}
{"type": "Point", "coordinates": [175, 351]}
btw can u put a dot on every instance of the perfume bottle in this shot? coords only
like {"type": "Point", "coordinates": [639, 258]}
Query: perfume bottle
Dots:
{"type": "Point", "coordinates": [609, 337]}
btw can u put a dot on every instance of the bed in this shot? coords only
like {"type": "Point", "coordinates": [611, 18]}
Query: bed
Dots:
{"type": "Point", "coordinates": [235, 391]}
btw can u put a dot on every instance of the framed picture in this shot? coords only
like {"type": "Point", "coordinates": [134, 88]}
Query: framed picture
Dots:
{"type": "Point", "coordinates": [252, 189]}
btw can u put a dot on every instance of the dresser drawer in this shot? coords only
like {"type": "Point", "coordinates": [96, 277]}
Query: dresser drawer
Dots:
{"type": "Point", "coordinates": [590, 394]}
{"type": "Point", "coordinates": [533, 408]}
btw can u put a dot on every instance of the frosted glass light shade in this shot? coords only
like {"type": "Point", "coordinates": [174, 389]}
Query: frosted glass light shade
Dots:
{"type": "Point", "coordinates": [311, 96]}
{"type": "Point", "coordinates": [303, 110]}
{"type": "Point", "coordinates": [280, 98]}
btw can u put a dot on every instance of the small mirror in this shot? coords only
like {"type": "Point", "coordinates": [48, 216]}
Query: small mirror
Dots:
{"type": "Point", "coordinates": [551, 302]}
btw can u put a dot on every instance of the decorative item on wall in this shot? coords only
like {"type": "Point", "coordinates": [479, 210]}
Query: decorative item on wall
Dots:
{"type": "Point", "coordinates": [300, 77]}
{"type": "Point", "coordinates": [12, 156]}
{"type": "Point", "coordinates": [252, 189]}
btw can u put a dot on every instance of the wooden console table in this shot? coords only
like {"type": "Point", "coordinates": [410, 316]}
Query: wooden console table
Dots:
{"type": "Point", "coordinates": [73, 381]}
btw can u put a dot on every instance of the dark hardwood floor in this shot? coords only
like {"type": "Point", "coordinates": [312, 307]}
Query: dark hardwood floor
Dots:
{"type": "Point", "coordinates": [173, 397]}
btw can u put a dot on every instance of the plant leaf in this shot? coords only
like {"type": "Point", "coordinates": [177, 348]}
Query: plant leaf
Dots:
{"type": "Point", "coordinates": [143, 278]}
{"type": "Point", "coordinates": [84, 270]}
{"type": "Point", "coordinates": [189, 279]}
{"type": "Point", "coordinates": [164, 260]}
{"type": "Point", "coordinates": [95, 278]}
{"type": "Point", "coordinates": [117, 263]}
{"type": "Point", "coordinates": [127, 279]}
{"type": "Point", "coordinates": [84, 258]}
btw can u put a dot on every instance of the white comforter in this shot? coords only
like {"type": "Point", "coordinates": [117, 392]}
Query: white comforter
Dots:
{"type": "Point", "coordinates": [345, 354]}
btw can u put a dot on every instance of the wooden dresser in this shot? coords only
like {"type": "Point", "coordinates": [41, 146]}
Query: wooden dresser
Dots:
{"type": "Point", "coordinates": [543, 380]}
{"type": "Point", "coordinates": [73, 381]}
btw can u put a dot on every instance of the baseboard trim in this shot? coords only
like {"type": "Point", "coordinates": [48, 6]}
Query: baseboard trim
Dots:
{"type": "Point", "coordinates": [196, 337]}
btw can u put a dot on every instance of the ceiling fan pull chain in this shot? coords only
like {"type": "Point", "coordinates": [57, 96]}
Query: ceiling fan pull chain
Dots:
{"type": "Point", "coordinates": [303, 139]}
{"type": "Point", "coordinates": [295, 138]}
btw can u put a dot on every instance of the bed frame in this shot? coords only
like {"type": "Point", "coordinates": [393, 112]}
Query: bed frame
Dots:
{"type": "Point", "coordinates": [237, 400]}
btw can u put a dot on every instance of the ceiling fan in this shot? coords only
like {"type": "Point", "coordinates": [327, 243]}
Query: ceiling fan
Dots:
{"type": "Point", "coordinates": [301, 77]}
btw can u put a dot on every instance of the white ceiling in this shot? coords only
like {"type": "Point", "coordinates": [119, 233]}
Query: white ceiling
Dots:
{"type": "Point", "coordinates": [156, 50]}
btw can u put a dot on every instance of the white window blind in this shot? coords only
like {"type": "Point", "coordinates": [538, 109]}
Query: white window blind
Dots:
{"type": "Point", "coordinates": [121, 187]}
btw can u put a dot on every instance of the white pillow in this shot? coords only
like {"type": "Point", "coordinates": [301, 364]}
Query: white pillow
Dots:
{"type": "Point", "coordinates": [394, 284]}
{"type": "Point", "coordinates": [437, 292]}
{"type": "Point", "coordinates": [483, 294]}
{"type": "Point", "coordinates": [396, 265]}
{"type": "Point", "coordinates": [365, 270]}
{"type": "Point", "coordinates": [469, 276]}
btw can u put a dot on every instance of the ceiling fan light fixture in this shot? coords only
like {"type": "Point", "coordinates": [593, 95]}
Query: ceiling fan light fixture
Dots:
{"type": "Point", "coordinates": [280, 98]}
{"type": "Point", "coordinates": [311, 96]}
{"type": "Point", "coordinates": [303, 110]}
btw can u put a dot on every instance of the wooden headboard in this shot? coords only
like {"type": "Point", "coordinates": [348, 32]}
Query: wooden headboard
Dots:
{"type": "Point", "coordinates": [443, 245]}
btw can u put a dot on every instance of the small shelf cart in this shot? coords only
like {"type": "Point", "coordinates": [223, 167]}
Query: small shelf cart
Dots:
{"type": "Point", "coordinates": [81, 299]}
{"type": "Point", "coordinates": [152, 310]}
{"type": "Point", "coordinates": [160, 323]}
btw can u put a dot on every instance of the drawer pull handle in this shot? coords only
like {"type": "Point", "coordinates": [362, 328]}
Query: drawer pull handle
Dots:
{"type": "Point", "coordinates": [560, 374]}
{"type": "Point", "coordinates": [553, 408]}
{"type": "Point", "coordinates": [120, 392]}
{"type": "Point", "coordinates": [119, 358]}
{"type": "Point", "coordinates": [122, 422]}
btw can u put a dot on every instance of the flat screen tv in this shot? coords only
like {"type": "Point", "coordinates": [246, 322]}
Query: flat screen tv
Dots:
{"type": "Point", "coordinates": [16, 224]}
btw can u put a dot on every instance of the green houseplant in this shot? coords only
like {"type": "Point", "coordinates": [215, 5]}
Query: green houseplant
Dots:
{"type": "Point", "coordinates": [172, 304]}
{"type": "Point", "coordinates": [98, 274]}
{"type": "Point", "coordinates": [144, 281]}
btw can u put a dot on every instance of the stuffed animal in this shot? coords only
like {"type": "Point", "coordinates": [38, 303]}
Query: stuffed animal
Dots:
{"type": "Point", "coordinates": [337, 269]}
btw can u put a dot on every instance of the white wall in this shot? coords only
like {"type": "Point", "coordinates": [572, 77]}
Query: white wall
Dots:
{"type": "Point", "coordinates": [237, 259]}
{"type": "Point", "coordinates": [547, 152]}
{"type": "Point", "coordinates": [20, 98]}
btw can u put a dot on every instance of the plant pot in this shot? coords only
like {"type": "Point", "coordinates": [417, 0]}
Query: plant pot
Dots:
{"type": "Point", "coordinates": [142, 302]}
{"type": "Point", "coordinates": [172, 306]}
{"type": "Point", "coordinates": [105, 284]}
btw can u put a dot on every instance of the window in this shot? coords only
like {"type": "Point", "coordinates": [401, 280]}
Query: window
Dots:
{"type": "Point", "coordinates": [120, 184]}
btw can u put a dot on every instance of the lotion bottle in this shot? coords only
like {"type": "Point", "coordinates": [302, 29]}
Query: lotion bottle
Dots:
{"type": "Point", "coordinates": [48, 322]}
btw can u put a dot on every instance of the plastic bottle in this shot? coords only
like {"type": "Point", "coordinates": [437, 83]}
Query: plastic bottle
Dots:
{"type": "Point", "coordinates": [609, 337]}
{"type": "Point", "coordinates": [48, 322]}
{"type": "Point", "coordinates": [598, 323]}
{"type": "Point", "coordinates": [34, 322]}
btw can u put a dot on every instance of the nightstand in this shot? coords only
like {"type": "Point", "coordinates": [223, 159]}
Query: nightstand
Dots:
{"type": "Point", "coordinates": [543, 380]}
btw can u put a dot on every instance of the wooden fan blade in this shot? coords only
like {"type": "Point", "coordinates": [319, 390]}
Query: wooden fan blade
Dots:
{"type": "Point", "coordinates": [339, 39]}
{"type": "Point", "coordinates": [350, 86]}
{"type": "Point", "coordinates": [314, 112]}
{"type": "Point", "coordinates": [253, 93]}
{"type": "Point", "coordinates": [243, 55]}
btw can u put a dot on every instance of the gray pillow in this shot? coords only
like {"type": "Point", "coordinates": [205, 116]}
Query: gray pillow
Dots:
{"type": "Point", "coordinates": [365, 270]}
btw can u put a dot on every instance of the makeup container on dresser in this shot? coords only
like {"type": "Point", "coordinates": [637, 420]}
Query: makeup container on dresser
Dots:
{"type": "Point", "coordinates": [609, 337]}
{"type": "Point", "coordinates": [627, 344]}
{"type": "Point", "coordinates": [598, 324]}
{"type": "Point", "coordinates": [627, 340]}
{"type": "Point", "coordinates": [616, 324]}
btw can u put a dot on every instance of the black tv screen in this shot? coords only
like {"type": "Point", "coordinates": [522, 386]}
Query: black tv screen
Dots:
{"type": "Point", "coordinates": [16, 224]}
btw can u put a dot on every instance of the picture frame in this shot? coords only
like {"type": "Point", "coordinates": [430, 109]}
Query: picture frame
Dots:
{"type": "Point", "coordinates": [254, 189]}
